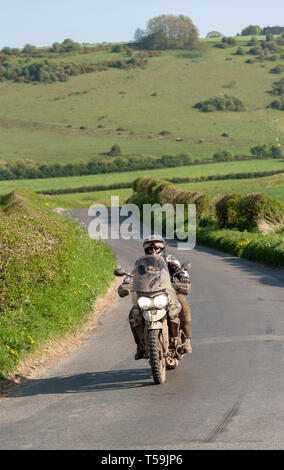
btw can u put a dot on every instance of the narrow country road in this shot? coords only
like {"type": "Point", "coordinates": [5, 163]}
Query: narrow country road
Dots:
{"type": "Point", "coordinates": [228, 394]}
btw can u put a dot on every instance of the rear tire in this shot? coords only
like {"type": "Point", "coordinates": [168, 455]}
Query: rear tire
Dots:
{"type": "Point", "coordinates": [157, 360]}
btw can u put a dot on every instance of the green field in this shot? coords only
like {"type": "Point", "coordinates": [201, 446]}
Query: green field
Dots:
{"type": "Point", "coordinates": [34, 118]}
{"type": "Point", "coordinates": [272, 186]}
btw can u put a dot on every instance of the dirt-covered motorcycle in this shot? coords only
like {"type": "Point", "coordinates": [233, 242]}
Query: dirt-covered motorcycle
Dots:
{"type": "Point", "coordinates": [154, 296]}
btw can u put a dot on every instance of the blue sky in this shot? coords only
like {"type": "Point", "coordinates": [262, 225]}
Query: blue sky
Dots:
{"type": "Point", "coordinates": [43, 22]}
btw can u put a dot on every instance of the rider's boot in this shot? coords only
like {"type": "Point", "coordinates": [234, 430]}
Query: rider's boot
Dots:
{"type": "Point", "coordinates": [187, 346]}
{"type": "Point", "coordinates": [139, 354]}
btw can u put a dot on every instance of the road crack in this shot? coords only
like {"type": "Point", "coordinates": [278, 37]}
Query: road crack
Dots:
{"type": "Point", "coordinates": [227, 418]}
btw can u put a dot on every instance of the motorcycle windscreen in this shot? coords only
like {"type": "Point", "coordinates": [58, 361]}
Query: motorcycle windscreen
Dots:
{"type": "Point", "coordinates": [151, 274]}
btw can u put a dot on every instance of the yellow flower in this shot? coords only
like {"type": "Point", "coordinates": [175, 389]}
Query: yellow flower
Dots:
{"type": "Point", "coordinates": [31, 339]}
{"type": "Point", "coordinates": [47, 203]}
{"type": "Point", "coordinates": [242, 243]}
{"type": "Point", "coordinates": [12, 351]}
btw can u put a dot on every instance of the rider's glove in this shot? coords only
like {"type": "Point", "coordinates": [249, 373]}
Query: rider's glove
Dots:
{"type": "Point", "coordinates": [184, 278]}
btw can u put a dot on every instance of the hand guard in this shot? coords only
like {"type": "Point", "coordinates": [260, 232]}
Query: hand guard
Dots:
{"type": "Point", "coordinates": [123, 291]}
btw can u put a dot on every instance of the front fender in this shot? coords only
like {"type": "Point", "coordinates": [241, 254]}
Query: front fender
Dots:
{"type": "Point", "coordinates": [153, 316]}
{"type": "Point", "coordinates": [157, 325]}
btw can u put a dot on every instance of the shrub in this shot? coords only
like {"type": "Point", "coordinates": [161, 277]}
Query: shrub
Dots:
{"type": "Point", "coordinates": [227, 210]}
{"type": "Point", "coordinates": [117, 48]}
{"type": "Point", "coordinates": [223, 156]}
{"type": "Point", "coordinates": [256, 50]}
{"type": "Point", "coordinates": [162, 192]}
{"type": "Point", "coordinates": [255, 207]}
{"type": "Point", "coordinates": [247, 212]}
{"type": "Point", "coordinates": [114, 151]}
{"type": "Point", "coordinates": [276, 105]}
{"type": "Point", "coordinates": [221, 103]}
{"type": "Point", "coordinates": [278, 69]}
{"type": "Point", "coordinates": [226, 42]}
{"type": "Point", "coordinates": [266, 151]}
{"type": "Point", "coordinates": [240, 51]}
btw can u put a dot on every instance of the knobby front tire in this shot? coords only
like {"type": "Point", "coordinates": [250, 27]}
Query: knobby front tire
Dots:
{"type": "Point", "coordinates": [157, 360]}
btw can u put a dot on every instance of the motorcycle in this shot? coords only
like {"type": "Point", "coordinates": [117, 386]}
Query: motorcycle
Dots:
{"type": "Point", "coordinates": [154, 296]}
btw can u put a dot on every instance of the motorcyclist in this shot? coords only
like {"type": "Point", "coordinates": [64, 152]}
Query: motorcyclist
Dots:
{"type": "Point", "coordinates": [157, 245]}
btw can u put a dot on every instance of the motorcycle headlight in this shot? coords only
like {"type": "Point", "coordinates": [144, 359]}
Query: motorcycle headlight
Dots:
{"type": "Point", "coordinates": [160, 301]}
{"type": "Point", "coordinates": [144, 303]}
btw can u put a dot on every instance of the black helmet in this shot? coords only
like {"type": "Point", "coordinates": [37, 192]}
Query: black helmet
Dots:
{"type": "Point", "coordinates": [152, 242]}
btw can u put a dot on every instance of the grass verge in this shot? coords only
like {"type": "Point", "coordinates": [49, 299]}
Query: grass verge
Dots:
{"type": "Point", "coordinates": [268, 249]}
{"type": "Point", "coordinates": [51, 272]}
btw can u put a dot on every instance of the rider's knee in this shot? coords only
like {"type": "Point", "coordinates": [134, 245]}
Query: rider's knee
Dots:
{"type": "Point", "coordinates": [135, 317]}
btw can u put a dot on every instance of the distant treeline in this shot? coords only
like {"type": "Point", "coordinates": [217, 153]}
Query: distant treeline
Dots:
{"type": "Point", "coordinates": [252, 30]}
{"type": "Point", "coordinates": [28, 169]}
{"type": "Point", "coordinates": [177, 180]}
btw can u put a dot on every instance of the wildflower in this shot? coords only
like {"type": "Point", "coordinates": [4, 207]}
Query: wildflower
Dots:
{"type": "Point", "coordinates": [12, 351]}
{"type": "Point", "coordinates": [242, 243]}
{"type": "Point", "coordinates": [31, 339]}
{"type": "Point", "coordinates": [47, 203]}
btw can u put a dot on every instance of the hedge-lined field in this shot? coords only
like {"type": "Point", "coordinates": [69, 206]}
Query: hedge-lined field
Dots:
{"type": "Point", "coordinates": [192, 171]}
{"type": "Point", "coordinates": [51, 272]}
{"type": "Point", "coordinates": [250, 226]}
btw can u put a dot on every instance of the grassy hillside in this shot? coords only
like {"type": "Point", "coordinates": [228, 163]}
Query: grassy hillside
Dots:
{"type": "Point", "coordinates": [85, 115]}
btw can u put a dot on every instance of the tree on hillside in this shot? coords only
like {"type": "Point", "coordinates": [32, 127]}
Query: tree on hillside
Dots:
{"type": "Point", "coordinates": [66, 46]}
{"type": "Point", "coordinates": [251, 30]}
{"type": "Point", "coordinates": [167, 32]}
{"type": "Point", "coordinates": [29, 49]}
{"type": "Point", "coordinates": [214, 34]}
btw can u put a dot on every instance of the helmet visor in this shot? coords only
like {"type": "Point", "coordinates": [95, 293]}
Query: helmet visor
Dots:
{"type": "Point", "coordinates": [153, 247]}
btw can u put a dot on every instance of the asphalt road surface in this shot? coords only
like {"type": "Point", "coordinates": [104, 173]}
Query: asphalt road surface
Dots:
{"type": "Point", "coordinates": [228, 394]}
